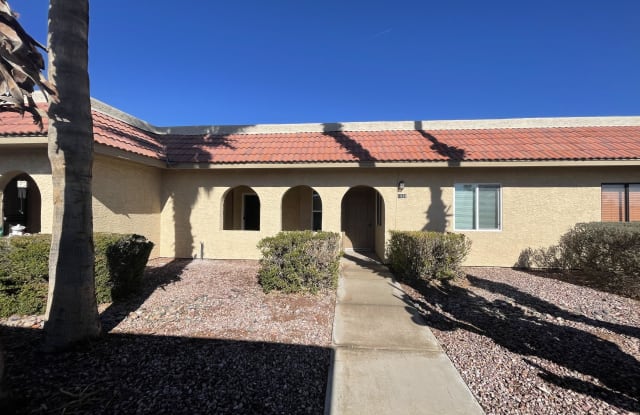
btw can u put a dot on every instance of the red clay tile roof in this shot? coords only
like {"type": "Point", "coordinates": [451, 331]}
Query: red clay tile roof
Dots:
{"type": "Point", "coordinates": [118, 134]}
{"type": "Point", "coordinates": [567, 143]}
{"type": "Point", "coordinates": [13, 124]}
{"type": "Point", "coordinates": [491, 144]}
{"type": "Point", "coordinates": [107, 130]}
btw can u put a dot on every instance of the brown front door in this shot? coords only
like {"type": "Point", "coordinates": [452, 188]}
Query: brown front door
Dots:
{"type": "Point", "coordinates": [358, 216]}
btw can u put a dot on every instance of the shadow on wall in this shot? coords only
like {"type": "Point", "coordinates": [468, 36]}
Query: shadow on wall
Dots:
{"type": "Point", "coordinates": [439, 213]}
{"type": "Point", "coordinates": [135, 373]}
{"type": "Point", "coordinates": [509, 325]}
{"type": "Point", "coordinates": [184, 199]}
{"type": "Point", "coordinates": [191, 149]}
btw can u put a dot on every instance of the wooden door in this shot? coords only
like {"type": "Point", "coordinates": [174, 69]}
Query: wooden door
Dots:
{"type": "Point", "coordinates": [358, 216]}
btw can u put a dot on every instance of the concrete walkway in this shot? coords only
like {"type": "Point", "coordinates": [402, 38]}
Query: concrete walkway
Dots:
{"type": "Point", "coordinates": [386, 360]}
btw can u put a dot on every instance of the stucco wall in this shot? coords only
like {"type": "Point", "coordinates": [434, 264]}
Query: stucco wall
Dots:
{"type": "Point", "coordinates": [126, 199]}
{"type": "Point", "coordinates": [539, 204]}
{"type": "Point", "coordinates": [126, 195]}
{"type": "Point", "coordinates": [182, 210]}
{"type": "Point", "coordinates": [193, 206]}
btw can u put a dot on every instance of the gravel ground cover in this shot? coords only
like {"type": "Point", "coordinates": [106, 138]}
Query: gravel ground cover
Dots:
{"type": "Point", "coordinates": [531, 345]}
{"type": "Point", "coordinates": [201, 338]}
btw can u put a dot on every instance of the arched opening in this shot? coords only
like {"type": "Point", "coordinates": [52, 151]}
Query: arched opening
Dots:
{"type": "Point", "coordinates": [21, 204]}
{"type": "Point", "coordinates": [241, 209]}
{"type": "Point", "coordinates": [301, 209]}
{"type": "Point", "coordinates": [362, 218]}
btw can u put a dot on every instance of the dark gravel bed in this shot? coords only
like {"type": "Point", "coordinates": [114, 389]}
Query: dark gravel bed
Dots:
{"type": "Point", "coordinates": [129, 374]}
{"type": "Point", "coordinates": [202, 338]}
{"type": "Point", "coordinates": [531, 345]}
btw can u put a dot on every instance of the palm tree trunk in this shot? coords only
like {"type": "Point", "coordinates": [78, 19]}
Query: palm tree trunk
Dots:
{"type": "Point", "coordinates": [72, 313]}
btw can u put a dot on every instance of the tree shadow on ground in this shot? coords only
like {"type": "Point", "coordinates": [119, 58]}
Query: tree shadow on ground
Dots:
{"type": "Point", "coordinates": [623, 285]}
{"type": "Point", "coordinates": [154, 278]}
{"type": "Point", "coordinates": [127, 373]}
{"type": "Point", "coordinates": [452, 307]}
{"type": "Point", "coordinates": [545, 307]}
{"type": "Point", "coordinates": [369, 261]}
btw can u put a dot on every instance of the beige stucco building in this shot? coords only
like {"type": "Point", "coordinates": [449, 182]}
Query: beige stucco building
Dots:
{"type": "Point", "coordinates": [214, 192]}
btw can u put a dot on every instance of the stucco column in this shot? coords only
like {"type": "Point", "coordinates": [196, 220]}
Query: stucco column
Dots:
{"type": "Point", "coordinates": [270, 209]}
{"type": "Point", "coordinates": [331, 207]}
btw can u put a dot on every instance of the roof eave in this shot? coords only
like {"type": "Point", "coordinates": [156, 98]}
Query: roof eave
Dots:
{"type": "Point", "coordinates": [24, 141]}
{"type": "Point", "coordinates": [406, 164]}
{"type": "Point", "coordinates": [105, 150]}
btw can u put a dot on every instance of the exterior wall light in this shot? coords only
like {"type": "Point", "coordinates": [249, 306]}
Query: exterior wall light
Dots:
{"type": "Point", "coordinates": [401, 185]}
{"type": "Point", "coordinates": [22, 189]}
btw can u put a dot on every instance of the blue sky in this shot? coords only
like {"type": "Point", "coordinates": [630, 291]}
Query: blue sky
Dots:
{"type": "Point", "coordinates": [284, 61]}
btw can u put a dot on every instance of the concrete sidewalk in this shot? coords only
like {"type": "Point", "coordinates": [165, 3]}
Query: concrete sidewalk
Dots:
{"type": "Point", "coordinates": [386, 360]}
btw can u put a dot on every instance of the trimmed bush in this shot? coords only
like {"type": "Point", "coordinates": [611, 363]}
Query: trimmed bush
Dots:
{"type": "Point", "coordinates": [427, 255]}
{"type": "Point", "coordinates": [119, 265]}
{"type": "Point", "coordinates": [299, 261]}
{"type": "Point", "coordinates": [24, 270]}
{"type": "Point", "coordinates": [595, 248]}
{"type": "Point", "coordinates": [603, 248]}
{"type": "Point", "coordinates": [24, 258]}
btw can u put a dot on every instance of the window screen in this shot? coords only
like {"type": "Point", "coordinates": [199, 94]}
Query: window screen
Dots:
{"type": "Point", "coordinates": [477, 206]}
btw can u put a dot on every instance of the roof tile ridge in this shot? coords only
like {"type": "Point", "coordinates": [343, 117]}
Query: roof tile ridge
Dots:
{"type": "Point", "coordinates": [369, 126]}
{"type": "Point", "coordinates": [531, 123]}
{"type": "Point", "coordinates": [131, 120]}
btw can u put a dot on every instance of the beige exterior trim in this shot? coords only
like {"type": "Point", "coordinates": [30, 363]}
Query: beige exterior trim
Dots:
{"type": "Point", "coordinates": [25, 141]}
{"type": "Point", "coordinates": [404, 164]}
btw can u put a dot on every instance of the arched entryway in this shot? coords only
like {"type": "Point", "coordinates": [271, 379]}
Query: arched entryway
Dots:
{"type": "Point", "coordinates": [21, 204]}
{"type": "Point", "coordinates": [362, 218]}
{"type": "Point", "coordinates": [241, 209]}
{"type": "Point", "coordinates": [301, 209]}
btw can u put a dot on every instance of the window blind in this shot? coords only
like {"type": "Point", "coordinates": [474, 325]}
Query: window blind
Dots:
{"type": "Point", "coordinates": [613, 203]}
{"type": "Point", "coordinates": [634, 202]}
{"type": "Point", "coordinates": [488, 207]}
{"type": "Point", "coordinates": [465, 201]}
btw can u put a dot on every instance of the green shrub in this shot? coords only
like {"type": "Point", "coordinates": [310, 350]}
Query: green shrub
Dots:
{"type": "Point", "coordinates": [602, 248]}
{"type": "Point", "coordinates": [32, 298]}
{"type": "Point", "coordinates": [427, 255]}
{"type": "Point", "coordinates": [125, 257]}
{"type": "Point", "coordinates": [24, 258]}
{"type": "Point", "coordinates": [595, 248]}
{"type": "Point", "coordinates": [299, 261]}
{"type": "Point", "coordinates": [542, 258]}
{"type": "Point", "coordinates": [24, 270]}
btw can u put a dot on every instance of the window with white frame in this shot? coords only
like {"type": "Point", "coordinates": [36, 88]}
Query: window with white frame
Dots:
{"type": "Point", "coordinates": [477, 206]}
